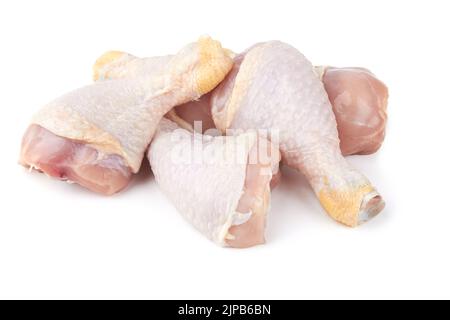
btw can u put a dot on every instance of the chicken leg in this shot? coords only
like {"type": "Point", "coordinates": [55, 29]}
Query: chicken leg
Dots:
{"type": "Point", "coordinates": [97, 135]}
{"type": "Point", "coordinates": [221, 185]}
{"type": "Point", "coordinates": [276, 88]}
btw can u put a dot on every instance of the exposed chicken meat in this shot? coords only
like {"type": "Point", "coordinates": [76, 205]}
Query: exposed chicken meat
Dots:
{"type": "Point", "coordinates": [115, 120]}
{"type": "Point", "coordinates": [195, 114]}
{"type": "Point", "coordinates": [276, 89]}
{"type": "Point", "coordinates": [359, 103]}
{"type": "Point", "coordinates": [262, 168]}
{"type": "Point", "coordinates": [69, 160]}
{"type": "Point", "coordinates": [219, 184]}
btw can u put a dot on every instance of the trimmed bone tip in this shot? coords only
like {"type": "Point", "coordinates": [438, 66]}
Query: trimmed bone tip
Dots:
{"type": "Point", "coordinates": [372, 204]}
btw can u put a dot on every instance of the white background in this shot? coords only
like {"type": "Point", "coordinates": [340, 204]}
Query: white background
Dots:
{"type": "Point", "coordinates": [60, 241]}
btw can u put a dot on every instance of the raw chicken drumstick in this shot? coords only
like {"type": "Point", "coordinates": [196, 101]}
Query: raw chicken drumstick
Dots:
{"type": "Point", "coordinates": [219, 184]}
{"type": "Point", "coordinates": [96, 136]}
{"type": "Point", "coordinates": [358, 98]}
{"type": "Point", "coordinates": [276, 88]}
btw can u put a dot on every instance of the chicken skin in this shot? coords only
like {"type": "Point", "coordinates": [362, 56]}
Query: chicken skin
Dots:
{"type": "Point", "coordinates": [97, 135]}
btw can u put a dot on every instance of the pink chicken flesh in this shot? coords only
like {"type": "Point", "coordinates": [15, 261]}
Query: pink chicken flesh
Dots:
{"type": "Point", "coordinates": [70, 160]}
{"type": "Point", "coordinates": [359, 102]}
{"type": "Point", "coordinates": [255, 198]}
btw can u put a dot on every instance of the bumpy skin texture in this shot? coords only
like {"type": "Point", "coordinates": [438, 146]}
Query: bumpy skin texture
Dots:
{"type": "Point", "coordinates": [276, 88]}
{"type": "Point", "coordinates": [212, 182]}
{"type": "Point", "coordinates": [205, 208]}
{"type": "Point", "coordinates": [119, 117]}
{"type": "Point", "coordinates": [358, 99]}
{"type": "Point", "coordinates": [359, 103]}
{"type": "Point", "coordinates": [118, 64]}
